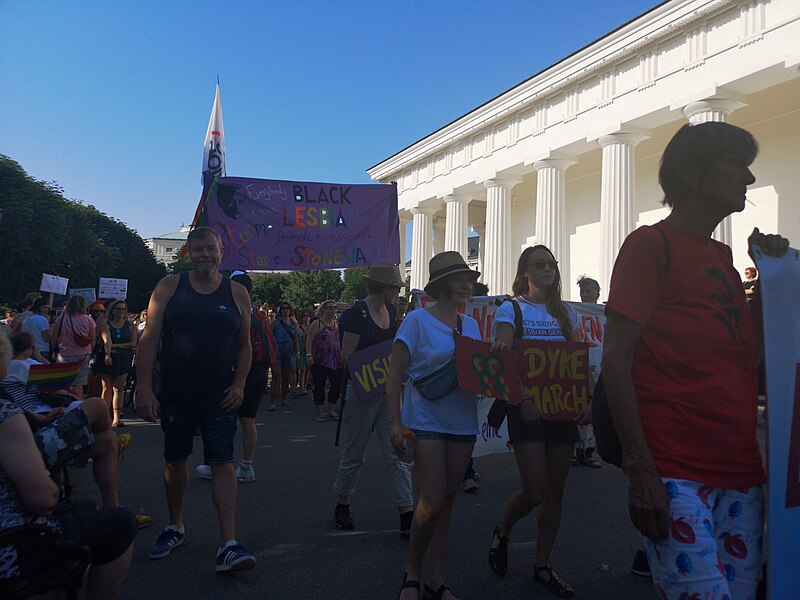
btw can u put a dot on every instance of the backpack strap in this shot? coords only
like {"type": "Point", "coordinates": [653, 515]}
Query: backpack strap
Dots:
{"type": "Point", "coordinates": [667, 251]}
{"type": "Point", "coordinates": [517, 319]}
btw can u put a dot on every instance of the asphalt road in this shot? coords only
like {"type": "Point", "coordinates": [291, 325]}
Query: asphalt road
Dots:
{"type": "Point", "coordinates": [286, 519]}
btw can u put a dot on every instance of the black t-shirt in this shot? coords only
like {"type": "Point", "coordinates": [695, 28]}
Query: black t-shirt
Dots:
{"type": "Point", "coordinates": [358, 320]}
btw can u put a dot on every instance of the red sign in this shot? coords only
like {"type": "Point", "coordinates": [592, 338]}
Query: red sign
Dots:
{"type": "Point", "coordinates": [482, 371]}
{"type": "Point", "coordinates": [555, 375]}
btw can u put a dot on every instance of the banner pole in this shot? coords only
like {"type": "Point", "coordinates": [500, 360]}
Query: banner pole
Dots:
{"type": "Point", "coordinates": [342, 406]}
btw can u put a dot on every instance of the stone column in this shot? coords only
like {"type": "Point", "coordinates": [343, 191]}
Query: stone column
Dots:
{"type": "Point", "coordinates": [438, 235]}
{"type": "Point", "coordinates": [498, 264]}
{"type": "Point", "coordinates": [481, 231]}
{"type": "Point", "coordinates": [404, 219]}
{"type": "Point", "coordinates": [455, 237]}
{"type": "Point", "coordinates": [714, 110]}
{"type": "Point", "coordinates": [421, 245]}
{"type": "Point", "coordinates": [617, 217]}
{"type": "Point", "coordinates": [550, 210]}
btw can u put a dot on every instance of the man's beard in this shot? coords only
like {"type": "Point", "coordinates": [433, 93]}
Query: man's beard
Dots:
{"type": "Point", "coordinates": [206, 268]}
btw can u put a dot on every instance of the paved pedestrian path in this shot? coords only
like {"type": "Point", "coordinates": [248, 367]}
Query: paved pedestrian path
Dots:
{"type": "Point", "coordinates": [286, 519]}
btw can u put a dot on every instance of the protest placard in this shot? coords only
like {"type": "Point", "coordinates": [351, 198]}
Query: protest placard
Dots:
{"type": "Point", "coordinates": [779, 286]}
{"type": "Point", "coordinates": [111, 287]}
{"type": "Point", "coordinates": [54, 284]}
{"type": "Point", "coordinates": [487, 372]}
{"type": "Point", "coordinates": [273, 225]}
{"type": "Point", "coordinates": [555, 375]}
{"type": "Point", "coordinates": [87, 293]}
{"type": "Point", "coordinates": [369, 369]}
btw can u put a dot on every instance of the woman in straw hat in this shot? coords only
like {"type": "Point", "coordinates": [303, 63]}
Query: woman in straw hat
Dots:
{"type": "Point", "coordinates": [444, 429]}
{"type": "Point", "coordinates": [369, 322]}
{"type": "Point", "coordinates": [543, 449]}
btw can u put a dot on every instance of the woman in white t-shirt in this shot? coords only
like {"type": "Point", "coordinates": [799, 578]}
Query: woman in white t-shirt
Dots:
{"type": "Point", "coordinates": [543, 449]}
{"type": "Point", "coordinates": [444, 429]}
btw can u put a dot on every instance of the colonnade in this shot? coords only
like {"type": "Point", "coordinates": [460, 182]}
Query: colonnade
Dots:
{"type": "Point", "coordinates": [498, 252]}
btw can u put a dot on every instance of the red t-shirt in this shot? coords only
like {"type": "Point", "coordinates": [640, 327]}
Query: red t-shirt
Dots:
{"type": "Point", "coordinates": [694, 366]}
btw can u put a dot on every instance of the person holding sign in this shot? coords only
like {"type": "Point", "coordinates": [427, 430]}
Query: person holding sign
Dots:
{"type": "Point", "coordinates": [443, 423]}
{"type": "Point", "coordinates": [679, 366]}
{"type": "Point", "coordinates": [543, 448]}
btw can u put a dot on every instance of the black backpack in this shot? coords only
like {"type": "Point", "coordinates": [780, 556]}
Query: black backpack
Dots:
{"type": "Point", "coordinates": [605, 432]}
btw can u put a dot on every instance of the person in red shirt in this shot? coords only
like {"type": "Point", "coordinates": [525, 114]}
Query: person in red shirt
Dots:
{"type": "Point", "coordinates": [679, 365]}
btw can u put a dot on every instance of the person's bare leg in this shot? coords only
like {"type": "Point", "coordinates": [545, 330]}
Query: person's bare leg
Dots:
{"type": "Point", "coordinates": [249, 438]}
{"type": "Point", "coordinates": [176, 477]}
{"type": "Point", "coordinates": [430, 474]}
{"type": "Point", "coordinates": [105, 465]}
{"type": "Point", "coordinates": [104, 450]}
{"type": "Point", "coordinates": [457, 458]}
{"type": "Point", "coordinates": [108, 391]}
{"type": "Point", "coordinates": [531, 463]}
{"type": "Point", "coordinates": [105, 581]}
{"type": "Point", "coordinates": [223, 491]}
{"type": "Point", "coordinates": [118, 386]}
{"type": "Point", "coordinates": [558, 466]}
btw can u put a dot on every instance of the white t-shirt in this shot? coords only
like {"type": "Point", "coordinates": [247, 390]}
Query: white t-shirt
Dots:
{"type": "Point", "coordinates": [35, 325]}
{"type": "Point", "coordinates": [537, 323]}
{"type": "Point", "coordinates": [430, 343]}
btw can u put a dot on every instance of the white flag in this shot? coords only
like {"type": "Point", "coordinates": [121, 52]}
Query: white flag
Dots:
{"type": "Point", "coordinates": [214, 147]}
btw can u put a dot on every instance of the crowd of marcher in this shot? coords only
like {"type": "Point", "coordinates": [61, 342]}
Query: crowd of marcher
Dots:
{"type": "Point", "coordinates": [202, 357]}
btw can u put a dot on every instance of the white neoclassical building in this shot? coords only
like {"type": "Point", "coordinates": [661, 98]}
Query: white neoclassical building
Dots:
{"type": "Point", "coordinates": [569, 158]}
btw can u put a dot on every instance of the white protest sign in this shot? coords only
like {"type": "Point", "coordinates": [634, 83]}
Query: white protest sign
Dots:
{"type": "Point", "coordinates": [87, 293]}
{"type": "Point", "coordinates": [111, 287]}
{"type": "Point", "coordinates": [54, 284]}
{"type": "Point", "coordinates": [779, 283]}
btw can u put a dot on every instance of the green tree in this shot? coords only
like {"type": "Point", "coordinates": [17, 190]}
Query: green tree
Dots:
{"type": "Point", "coordinates": [43, 232]}
{"type": "Point", "coordinates": [268, 288]}
{"type": "Point", "coordinates": [355, 287]}
{"type": "Point", "coordinates": [303, 289]}
{"type": "Point", "coordinates": [179, 265]}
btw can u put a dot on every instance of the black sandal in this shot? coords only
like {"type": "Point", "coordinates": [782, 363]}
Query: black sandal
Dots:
{"type": "Point", "coordinates": [429, 594]}
{"type": "Point", "coordinates": [555, 584]}
{"type": "Point", "coordinates": [408, 583]}
{"type": "Point", "coordinates": [498, 557]}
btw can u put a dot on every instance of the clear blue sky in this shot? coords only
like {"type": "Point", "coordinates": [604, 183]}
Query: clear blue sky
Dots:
{"type": "Point", "coordinates": [111, 100]}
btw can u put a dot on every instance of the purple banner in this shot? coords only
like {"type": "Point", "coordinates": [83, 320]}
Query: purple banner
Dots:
{"type": "Point", "coordinates": [369, 369]}
{"type": "Point", "coordinates": [270, 225]}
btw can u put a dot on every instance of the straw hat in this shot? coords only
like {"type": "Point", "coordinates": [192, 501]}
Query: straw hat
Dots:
{"type": "Point", "coordinates": [384, 274]}
{"type": "Point", "coordinates": [447, 263]}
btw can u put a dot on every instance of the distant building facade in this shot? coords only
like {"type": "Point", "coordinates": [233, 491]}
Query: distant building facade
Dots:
{"type": "Point", "coordinates": [569, 158]}
{"type": "Point", "coordinates": [166, 246]}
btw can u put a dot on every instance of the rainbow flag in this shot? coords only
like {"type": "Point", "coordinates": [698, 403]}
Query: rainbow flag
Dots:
{"type": "Point", "coordinates": [49, 378]}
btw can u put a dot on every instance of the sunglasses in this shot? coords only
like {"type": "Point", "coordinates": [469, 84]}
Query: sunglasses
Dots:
{"type": "Point", "coordinates": [539, 265]}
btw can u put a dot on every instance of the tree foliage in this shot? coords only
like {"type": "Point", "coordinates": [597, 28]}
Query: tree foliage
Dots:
{"type": "Point", "coordinates": [267, 288]}
{"type": "Point", "coordinates": [43, 232]}
{"type": "Point", "coordinates": [303, 289]}
{"type": "Point", "coordinates": [354, 287]}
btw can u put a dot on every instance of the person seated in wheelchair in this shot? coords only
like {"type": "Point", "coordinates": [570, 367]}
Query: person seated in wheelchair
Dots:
{"type": "Point", "coordinates": [29, 496]}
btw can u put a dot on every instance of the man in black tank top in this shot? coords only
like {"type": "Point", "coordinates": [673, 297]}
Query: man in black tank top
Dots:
{"type": "Point", "coordinates": [198, 325]}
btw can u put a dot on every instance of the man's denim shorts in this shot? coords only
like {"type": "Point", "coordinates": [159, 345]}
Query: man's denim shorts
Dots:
{"type": "Point", "coordinates": [217, 427]}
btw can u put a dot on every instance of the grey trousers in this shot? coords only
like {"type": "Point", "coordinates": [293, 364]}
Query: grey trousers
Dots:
{"type": "Point", "coordinates": [360, 418]}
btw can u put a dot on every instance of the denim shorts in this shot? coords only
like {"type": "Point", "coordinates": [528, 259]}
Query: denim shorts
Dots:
{"type": "Point", "coordinates": [217, 427]}
{"type": "Point", "coordinates": [447, 437]}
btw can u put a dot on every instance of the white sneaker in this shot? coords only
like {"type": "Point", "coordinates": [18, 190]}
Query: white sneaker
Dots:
{"type": "Point", "coordinates": [204, 471]}
{"type": "Point", "coordinates": [245, 475]}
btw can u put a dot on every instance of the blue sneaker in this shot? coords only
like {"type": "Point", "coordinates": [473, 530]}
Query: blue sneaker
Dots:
{"type": "Point", "coordinates": [235, 558]}
{"type": "Point", "coordinates": [168, 539]}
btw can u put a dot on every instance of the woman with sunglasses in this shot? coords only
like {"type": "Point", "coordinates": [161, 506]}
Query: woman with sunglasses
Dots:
{"type": "Point", "coordinates": [324, 355]}
{"type": "Point", "coordinates": [284, 330]}
{"type": "Point", "coordinates": [543, 449]}
{"type": "Point", "coordinates": [114, 363]}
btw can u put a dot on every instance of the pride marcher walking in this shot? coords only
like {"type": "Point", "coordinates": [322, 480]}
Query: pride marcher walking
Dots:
{"type": "Point", "coordinates": [74, 334]}
{"type": "Point", "coordinates": [370, 321]}
{"type": "Point", "coordinates": [444, 428]}
{"type": "Point", "coordinates": [543, 449]}
{"type": "Point", "coordinates": [200, 321]}
{"type": "Point", "coordinates": [324, 354]}
{"type": "Point", "coordinates": [679, 366]}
